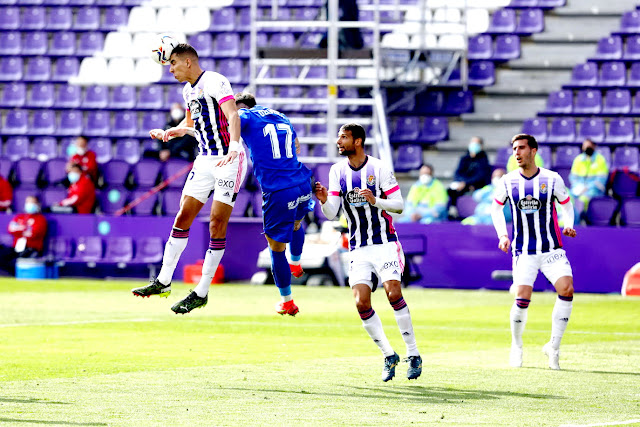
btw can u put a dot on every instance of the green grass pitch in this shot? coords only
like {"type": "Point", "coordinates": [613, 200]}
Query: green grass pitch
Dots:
{"type": "Point", "coordinates": [88, 353]}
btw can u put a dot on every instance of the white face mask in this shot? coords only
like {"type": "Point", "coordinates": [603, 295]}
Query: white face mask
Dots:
{"type": "Point", "coordinates": [81, 151]}
{"type": "Point", "coordinates": [426, 179]}
{"type": "Point", "coordinates": [495, 181]}
{"type": "Point", "coordinates": [177, 114]}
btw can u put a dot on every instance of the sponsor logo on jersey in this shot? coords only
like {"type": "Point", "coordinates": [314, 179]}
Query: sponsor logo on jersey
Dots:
{"type": "Point", "coordinates": [555, 257]}
{"type": "Point", "coordinates": [390, 264]}
{"type": "Point", "coordinates": [371, 180]}
{"type": "Point", "coordinates": [292, 204]}
{"type": "Point", "coordinates": [354, 198]}
{"type": "Point", "coordinates": [529, 205]}
{"type": "Point", "coordinates": [543, 188]}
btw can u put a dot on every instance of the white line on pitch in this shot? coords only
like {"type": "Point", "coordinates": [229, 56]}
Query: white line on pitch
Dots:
{"type": "Point", "coordinates": [75, 322]}
{"type": "Point", "coordinates": [613, 423]}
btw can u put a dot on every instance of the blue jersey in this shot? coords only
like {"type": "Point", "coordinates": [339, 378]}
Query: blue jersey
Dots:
{"type": "Point", "coordinates": [271, 141]}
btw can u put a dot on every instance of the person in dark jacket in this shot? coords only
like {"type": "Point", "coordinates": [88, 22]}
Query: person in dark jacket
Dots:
{"type": "Point", "coordinates": [473, 172]}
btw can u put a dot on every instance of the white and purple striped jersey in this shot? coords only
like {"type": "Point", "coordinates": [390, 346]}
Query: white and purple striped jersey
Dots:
{"type": "Point", "coordinates": [203, 99]}
{"type": "Point", "coordinates": [535, 220]}
{"type": "Point", "coordinates": [368, 225]}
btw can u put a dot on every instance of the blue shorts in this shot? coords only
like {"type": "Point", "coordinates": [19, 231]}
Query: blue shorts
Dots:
{"type": "Point", "coordinates": [282, 208]}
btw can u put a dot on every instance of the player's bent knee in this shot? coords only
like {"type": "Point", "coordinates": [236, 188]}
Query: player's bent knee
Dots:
{"type": "Point", "coordinates": [564, 286]}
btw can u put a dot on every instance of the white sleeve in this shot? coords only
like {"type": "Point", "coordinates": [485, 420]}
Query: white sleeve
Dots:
{"type": "Point", "coordinates": [560, 191]}
{"type": "Point", "coordinates": [218, 87]}
{"type": "Point", "coordinates": [393, 203]}
{"type": "Point", "coordinates": [567, 213]}
{"type": "Point", "coordinates": [500, 194]}
{"type": "Point", "coordinates": [497, 216]}
{"type": "Point", "coordinates": [331, 207]}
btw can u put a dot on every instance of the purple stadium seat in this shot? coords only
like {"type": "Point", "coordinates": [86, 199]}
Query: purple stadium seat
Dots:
{"type": "Point", "coordinates": [81, 2]}
{"type": "Point", "coordinates": [458, 102]}
{"type": "Point", "coordinates": [480, 47]}
{"type": "Point", "coordinates": [68, 96]}
{"type": "Point", "coordinates": [601, 210]}
{"type": "Point", "coordinates": [149, 250]}
{"type": "Point", "coordinates": [317, 72]}
{"type": "Point", "coordinates": [630, 22]}
{"type": "Point", "coordinates": [564, 174]}
{"type": "Point", "coordinates": [536, 128]}
{"type": "Point", "coordinates": [282, 40]}
{"type": "Point", "coordinates": [125, 123]}
{"type": "Point", "coordinates": [10, 43]}
{"type": "Point", "coordinates": [630, 212]}
{"type": "Point", "coordinates": [13, 95]}
{"type": "Point", "coordinates": [32, 18]}
{"type": "Point", "coordinates": [38, 69]}
{"type": "Point", "coordinates": [244, 20]}
{"type": "Point", "coordinates": [545, 153]}
{"type": "Point", "coordinates": [177, 169]}
{"type": "Point", "coordinates": [306, 14]}
{"type": "Point", "coordinates": [609, 48]}
{"type": "Point", "coordinates": [523, 3]}
{"type": "Point", "coordinates": [171, 201]}
{"type": "Point", "coordinates": [115, 172]}
{"type": "Point", "coordinates": [152, 120]}
{"type": "Point", "coordinates": [507, 47]}
{"type": "Point", "coordinates": [5, 166]}
{"type": "Point", "coordinates": [128, 150]}
{"type": "Point", "coordinates": [585, 74]}
{"type": "Point", "coordinates": [285, 72]}
{"type": "Point", "coordinates": [64, 69]}
{"type": "Point", "coordinates": [150, 98]}
{"type": "Point", "coordinates": [626, 157]}
{"type": "Point", "coordinates": [226, 45]}
{"type": "Point", "coordinates": [27, 172]}
{"type": "Point", "coordinates": [466, 206]}
{"type": "Point", "coordinates": [114, 18]}
{"type": "Point", "coordinates": [88, 249]}
{"type": "Point", "coordinates": [621, 131]}
{"type": "Point", "coordinates": [560, 102]}
{"type": "Point", "coordinates": [310, 40]}
{"type": "Point", "coordinates": [145, 207]}
{"type": "Point", "coordinates": [70, 123]}
{"type": "Point", "coordinates": [15, 122]}
{"type": "Point", "coordinates": [97, 123]}
{"type": "Point", "coordinates": [96, 96]}
{"type": "Point", "coordinates": [632, 48]}
{"type": "Point", "coordinates": [20, 195]}
{"type": "Point", "coordinates": [16, 148]}
{"type": "Point", "coordinates": [103, 149]}
{"type": "Point", "coordinates": [54, 172]}
{"type": "Point", "coordinates": [208, 64]}
{"type": "Point", "coordinates": [588, 101]}
{"type": "Point", "coordinates": [90, 43]}
{"type": "Point", "coordinates": [565, 154]}
{"type": "Point", "coordinates": [41, 96]}
{"type": "Point", "coordinates": [43, 122]}
{"type": "Point", "coordinates": [617, 101]}
{"type": "Point", "coordinates": [502, 157]}
{"type": "Point", "coordinates": [63, 43]}
{"type": "Point", "coordinates": [408, 158]}
{"type": "Point", "coordinates": [531, 22]}
{"type": "Point", "coordinates": [318, 130]}
{"type": "Point", "coordinates": [482, 73]}
{"type": "Point", "coordinates": [11, 69]}
{"type": "Point", "coordinates": [295, 92]}
{"type": "Point", "coordinates": [563, 130]}
{"type": "Point", "coordinates": [612, 74]}
{"type": "Point", "coordinates": [223, 20]}
{"type": "Point", "coordinates": [201, 42]}
{"type": "Point", "coordinates": [60, 248]}
{"type": "Point", "coordinates": [625, 184]}
{"type": "Point", "coordinates": [407, 129]}
{"type": "Point", "coordinates": [146, 172]}
{"type": "Point", "coordinates": [9, 18]}
{"type": "Point", "coordinates": [317, 92]}
{"type": "Point", "coordinates": [59, 18]}
{"type": "Point", "coordinates": [87, 19]}
{"type": "Point", "coordinates": [35, 43]}
{"type": "Point", "coordinates": [593, 129]}
{"type": "Point", "coordinates": [112, 198]}
{"type": "Point", "coordinates": [122, 97]}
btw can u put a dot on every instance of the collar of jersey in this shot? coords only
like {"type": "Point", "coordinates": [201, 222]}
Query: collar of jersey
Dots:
{"type": "Point", "coordinates": [198, 79]}
{"type": "Point", "coordinates": [366, 159]}
{"type": "Point", "coordinates": [532, 176]}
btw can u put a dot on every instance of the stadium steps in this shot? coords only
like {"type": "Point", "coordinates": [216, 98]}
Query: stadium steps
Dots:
{"type": "Point", "coordinates": [538, 82]}
{"type": "Point", "coordinates": [579, 29]}
{"type": "Point", "coordinates": [552, 56]}
{"type": "Point", "coordinates": [496, 108]}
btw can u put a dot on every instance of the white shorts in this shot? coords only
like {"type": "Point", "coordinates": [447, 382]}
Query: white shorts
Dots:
{"type": "Point", "coordinates": [553, 264]}
{"type": "Point", "coordinates": [385, 260]}
{"type": "Point", "coordinates": [224, 181]}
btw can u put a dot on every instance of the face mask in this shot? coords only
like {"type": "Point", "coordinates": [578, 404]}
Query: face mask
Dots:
{"type": "Point", "coordinates": [73, 177]}
{"type": "Point", "coordinates": [589, 151]}
{"type": "Point", "coordinates": [474, 147]}
{"type": "Point", "coordinates": [425, 179]}
{"type": "Point", "coordinates": [30, 208]}
{"type": "Point", "coordinates": [176, 114]}
{"type": "Point", "coordinates": [81, 151]}
{"type": "Point", "coordinates": [495, 181]}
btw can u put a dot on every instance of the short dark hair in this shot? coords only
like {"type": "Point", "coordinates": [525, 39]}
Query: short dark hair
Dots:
{"type": "Point", "coordinates": [531, 141]}
{"type": "Point", "coordinates": [357, 131]}
{"type": "Point", "coordinates": [185, 48]}
{"type": "Point", "coordinates": [246, 98]}
{"type": "Point", "coordinates": [83, 137]}
{"type": "Point", "coordinates": [76, 165]}
{"type": "Point", "coordinates": [429, 165]}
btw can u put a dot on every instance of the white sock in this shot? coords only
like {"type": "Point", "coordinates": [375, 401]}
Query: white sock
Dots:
{"type": "Point", "coordinates": [172, 251]}
{"type": "Point", "coordinates": [373, 326]}
{"type": "Point", "coordinates": [518, 319]}
{"type": "Point", "coordinates": [211, 262]}
{"type": "Point", "coordinates": [403, 318]}
{"type": "Point", "coordinates": [559, 320]}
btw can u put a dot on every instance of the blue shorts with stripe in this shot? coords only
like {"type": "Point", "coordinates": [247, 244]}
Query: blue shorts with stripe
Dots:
{"type": "Point", "coordinates": [282, 208]}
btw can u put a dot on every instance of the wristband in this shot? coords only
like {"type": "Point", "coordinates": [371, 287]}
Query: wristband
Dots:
{"type": "Point", "coordinates": [234, 146]}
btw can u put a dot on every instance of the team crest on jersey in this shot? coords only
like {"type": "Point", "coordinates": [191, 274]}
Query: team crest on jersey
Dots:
{"type": "Point", "coordinates": [543, 188]}
{"type": "Point", "coordinates": [355, 199]}
{"type": "Point", "coordinates": [200, 93]}
{"type": "Point", "coordinates": [371, 180]}
{"type": "Point", "coordinates": [196, 108]}
{"type": "Point", "coordinates": [529, 205]}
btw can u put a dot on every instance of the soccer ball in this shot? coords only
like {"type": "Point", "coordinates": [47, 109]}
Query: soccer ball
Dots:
{"type": "Point", "coordinates": [161, 53]}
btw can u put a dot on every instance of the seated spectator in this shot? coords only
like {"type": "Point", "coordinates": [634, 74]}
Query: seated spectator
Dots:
{"type": "Point", "coordinates": [183, 147]}
{"type": "Point", "coordinates": [427, 199]}
{"type": "Point", "coordinates": [28, 230]}
{"type": "Point", "coordinates": [81, 195]}
{"type": "Point", "coordinates": [589, 174]}
{"type": "Point", "coordinates": [484, 198]}
{"type": "Point", "coordinates": [473, 172]}
{"type": "Point", "coordinates": [512, 164]}
{"type": "Point", "coordinates": [6, 194]}
{"type": "Point", "coordinates": [84, 157]}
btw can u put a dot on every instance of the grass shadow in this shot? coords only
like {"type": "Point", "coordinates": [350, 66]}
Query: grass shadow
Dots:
{"type": "Point", "coordinates": [30, 421]}
{"type": "Point", "coordinates": [31, 400]}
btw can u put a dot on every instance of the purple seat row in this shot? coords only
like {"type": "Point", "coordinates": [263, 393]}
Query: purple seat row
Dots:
{"type": "Point", "coordinates": [563, 130]}
{"type": "Point", "coordinates": [608, 74]}
{"type": "Point", "coordinates": [592, 102]}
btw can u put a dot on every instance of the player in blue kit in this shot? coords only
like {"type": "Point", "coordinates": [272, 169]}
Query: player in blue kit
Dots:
{"type": "Point", "coordinates": [286, 188]}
